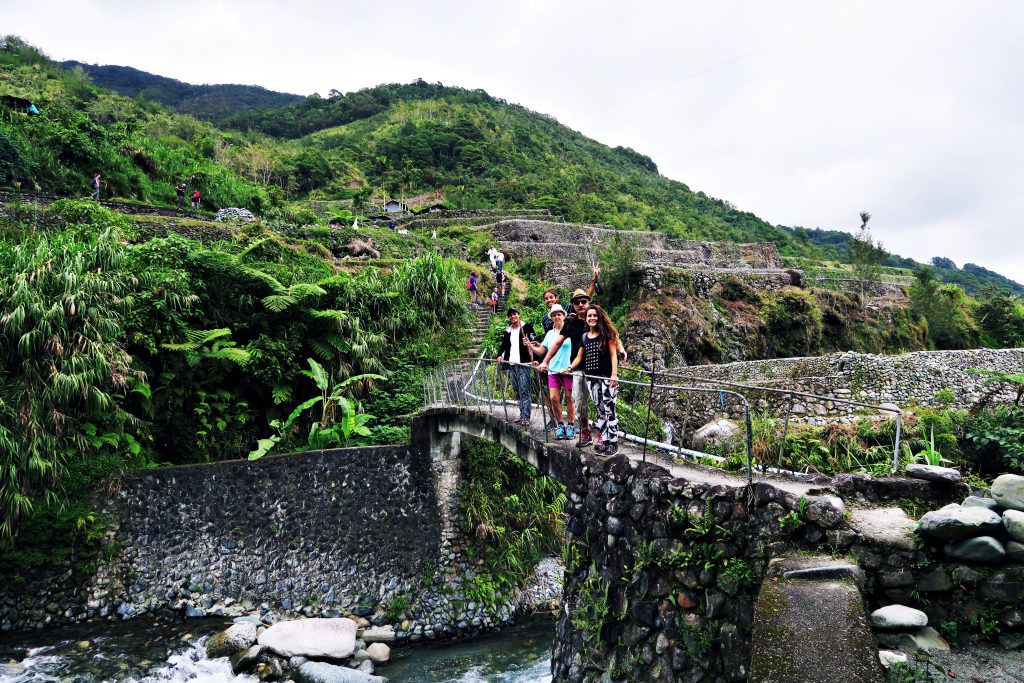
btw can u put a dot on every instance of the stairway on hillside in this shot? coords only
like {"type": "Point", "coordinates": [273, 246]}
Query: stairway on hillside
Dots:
{"type": "Point", "coordinates": [482, 322]}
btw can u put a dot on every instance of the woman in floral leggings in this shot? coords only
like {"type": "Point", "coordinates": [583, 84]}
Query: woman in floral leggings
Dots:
{"type": "Point", "coordinates": [599, 359]}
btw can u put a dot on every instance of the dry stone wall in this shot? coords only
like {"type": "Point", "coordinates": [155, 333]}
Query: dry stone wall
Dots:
{"type": "Point", "coordinates": [911, 378]}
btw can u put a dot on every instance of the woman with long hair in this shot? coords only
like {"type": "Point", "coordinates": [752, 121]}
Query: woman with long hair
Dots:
{"type": "Point", "coordinates": [599, 357]}
{"type": "Point", "coordinates": [559, 385]}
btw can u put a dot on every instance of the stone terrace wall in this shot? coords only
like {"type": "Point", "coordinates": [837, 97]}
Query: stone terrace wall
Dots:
{"type": "Point", "coordinates": [867, 378]}
{"type": "Point", "coordinates": [344, 530]}
{"type": "Point", "coordinates": [568, 248]}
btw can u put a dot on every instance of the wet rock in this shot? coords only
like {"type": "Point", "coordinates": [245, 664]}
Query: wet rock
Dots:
{"type": "Point", "coordinates": [234, 638]}
{"type": "Point", "coordinates": [321, 672]}
{"type": "Point", "coordinates": [245, 659]}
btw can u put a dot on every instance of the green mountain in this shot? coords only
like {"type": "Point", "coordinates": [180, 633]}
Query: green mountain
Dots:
{"type": "Point", "coordinates": [207, 102]}
{"type": "Point", "coordinates": [835, 245]}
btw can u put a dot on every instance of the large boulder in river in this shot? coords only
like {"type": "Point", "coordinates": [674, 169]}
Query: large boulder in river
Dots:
{"type": "Point", "coordinates": [238, 636]}
{"type": "Point", "coordinates": [1008, 490]}
{"type": "Point", "coordinates": [322, 672]}
{"type": "Point", "coordinates": [955, 522]}
{"type": "Point", "coordinates": [328, 638]}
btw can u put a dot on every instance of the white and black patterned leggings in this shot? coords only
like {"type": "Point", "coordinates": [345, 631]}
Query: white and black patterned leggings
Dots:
{"type": "Point", "coordinates": [603, 395]}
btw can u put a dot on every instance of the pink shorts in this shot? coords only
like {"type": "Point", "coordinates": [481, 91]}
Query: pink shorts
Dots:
{"type": "Point", "coordinates": [556, 381]}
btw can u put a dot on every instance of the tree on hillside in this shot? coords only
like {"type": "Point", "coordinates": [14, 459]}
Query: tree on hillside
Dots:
{"type": "Point", "coordinates": [867, 257]}
{"type": "Point", "coordinates": [945, 309]}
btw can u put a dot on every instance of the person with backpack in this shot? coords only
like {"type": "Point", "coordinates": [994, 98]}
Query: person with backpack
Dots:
{"type": "Point", "coordinates": [598, 354]}
{"type": "Point", "coordinates": [471, 286]}
{"type": "Point", "coordinates": [494, 301]}
{"type": "Point", "coordinates": [95, 185]}
{"type": "Point", "coordinates": [196, 201]}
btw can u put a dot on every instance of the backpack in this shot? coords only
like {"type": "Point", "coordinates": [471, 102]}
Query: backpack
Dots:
{"type": "Point", "coordinates": [469, 283]}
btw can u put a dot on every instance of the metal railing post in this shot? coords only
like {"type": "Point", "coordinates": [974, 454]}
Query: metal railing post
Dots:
{"type": "Point", "coordinates": [896, 449]}
{"type": "Point", "coordinates": [647, 421]}
{"type": "Point", "coordinates": [785, 431]}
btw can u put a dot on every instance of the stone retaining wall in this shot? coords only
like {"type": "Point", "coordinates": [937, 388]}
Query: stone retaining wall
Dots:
{"type": "Point", "coordinates": [905, 380]}
{"type": "Point", "coordinates": [332, 530]}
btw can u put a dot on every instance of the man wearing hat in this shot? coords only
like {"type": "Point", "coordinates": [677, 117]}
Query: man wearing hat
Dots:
{"type": "Point", "coordinates": [515, 350]}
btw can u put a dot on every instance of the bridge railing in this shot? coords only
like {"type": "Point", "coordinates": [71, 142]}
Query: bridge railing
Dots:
{"type": "Point", "coordinates": [483, 384]}
{"type": "Point", "coordinates": [660, 410]}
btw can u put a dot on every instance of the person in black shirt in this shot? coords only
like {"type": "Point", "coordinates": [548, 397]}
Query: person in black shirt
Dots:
{"type": "Point", "coordinates": [598, 354]}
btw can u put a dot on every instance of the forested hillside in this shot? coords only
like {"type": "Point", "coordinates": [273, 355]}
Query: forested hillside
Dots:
{"type": "Point", "coordinates": [207, 102]}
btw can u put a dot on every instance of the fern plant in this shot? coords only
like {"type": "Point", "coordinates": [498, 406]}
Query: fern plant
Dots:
{"type": "Point", "coordinates": [339, 420]}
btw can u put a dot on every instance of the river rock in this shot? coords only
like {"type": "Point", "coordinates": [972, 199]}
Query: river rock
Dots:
{"type": "Point", "coordinates": [826, 511]}
{"type": "Point", "coordinates": [1008, 491]}
{"type": "Point", "coordinates": [244, 659]}
{"type": "Point", "coordinates": [378, 634]}
{"type": "Point", "coordinates": [979, 502]}
{"type": "Point", "coordinates": [379, 653]}
{"type": "Point", "coordinates": [716, 433]}
{"type": "Point", "coordinates": [1015, 552]}
{"type": "Point", "coordinates": [898, 618]}
{"type": "Point", "coordinates": [953, 523]}
{"type": "Point", "coordinates": [1013, 520]}
{"type": "Point", "coordinates": [981, 549]}
{"type": "Point", "coordinates": [331, 638]}
{"type": "Point", "coordinates": [945, 475]}
{"type": "Point", "coordinates": [236, 637]}
{"type": "Point", "coordinates": [321, 672]}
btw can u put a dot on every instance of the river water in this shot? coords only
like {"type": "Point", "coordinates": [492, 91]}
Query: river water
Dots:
{"type": "Point", "coordinates": [151, 652]}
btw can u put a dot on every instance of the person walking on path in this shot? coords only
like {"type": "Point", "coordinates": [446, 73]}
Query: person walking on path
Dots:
{"type": "Point", "coordinates": [196, 201]}
{"type": "Point", "coordinates": [515, 351]}
{"type": "Point", "coordinates": [600, 360]}
{"type": "Point", "coordinates": [559, 385]}
{"type": "Point", "coordinates": [95, 185]}
{"type": "Point", "coordinates": [471, 285]}
{"type": "Point", "coordinates": [499, 261]}
{"type": "Point", "coordinates": [494, 301]}
{"type": "Point", "coordinates": [180, 190]}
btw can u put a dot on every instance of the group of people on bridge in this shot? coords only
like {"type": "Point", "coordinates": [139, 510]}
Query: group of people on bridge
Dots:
{"type": "Point", "coordinates": [577, 357]}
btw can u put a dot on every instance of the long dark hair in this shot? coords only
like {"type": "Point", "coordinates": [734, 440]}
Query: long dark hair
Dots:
{"type": "Point", "coordinates": [606, 332]}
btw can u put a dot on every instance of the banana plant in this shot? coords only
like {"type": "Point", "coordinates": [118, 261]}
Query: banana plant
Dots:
{"type": "Point", "coordinates": [340, 419]}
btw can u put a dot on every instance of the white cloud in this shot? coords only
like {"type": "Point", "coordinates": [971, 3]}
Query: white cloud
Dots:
{"type": "Point", "coordinates": [803, 112]}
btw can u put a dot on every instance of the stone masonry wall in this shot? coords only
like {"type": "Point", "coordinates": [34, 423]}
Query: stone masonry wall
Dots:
{"type": "Point", "coordinates": [343, 530]}
{"type": "Point", "coordinates": [868, 378]}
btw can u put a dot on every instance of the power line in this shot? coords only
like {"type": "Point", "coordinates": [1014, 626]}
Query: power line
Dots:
{"type": "Point", "coordinates": [740, 58]}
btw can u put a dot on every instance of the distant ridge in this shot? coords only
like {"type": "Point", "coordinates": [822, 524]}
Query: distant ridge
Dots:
{"type": "Point", "coordinates": [208, 102]}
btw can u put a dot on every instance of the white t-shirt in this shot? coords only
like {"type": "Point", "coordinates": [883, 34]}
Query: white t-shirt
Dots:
{"type": "Point", "coordinates": [513, 351]}
{"type": "Point", "coordinates": [493, 253]}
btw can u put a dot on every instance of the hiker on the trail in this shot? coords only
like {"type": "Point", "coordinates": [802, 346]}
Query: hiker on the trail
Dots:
{"type": "Point", "coordinates": [196, 201]}
{"type": "Point", "coordinates": [515, 350]}
{"type": "Point", "coordinates": [499, 261]}
{"type": "Point", "coordinates": [471, 286]}
{"type": "Point", "coordinates": [502, 281]}
{"type": "Point", "coordinates": [95, 185]}
{"type": "Point", "coordinates": [492, 254]}
{"type": "Point", "coordinates": [180, 189]}
{"type": "Point", "coordinates": [494, 300]}
{"type": "Point", "coordinates": [599, 359]}
{"type": "Point", "coordinates": [559, 385]}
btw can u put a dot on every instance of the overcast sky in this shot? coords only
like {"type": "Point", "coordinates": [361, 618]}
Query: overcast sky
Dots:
{"type": "Point", "coordinates": [804, 112]}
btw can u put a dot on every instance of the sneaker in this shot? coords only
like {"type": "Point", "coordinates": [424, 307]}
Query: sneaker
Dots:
{"type": "Point", "coordinates": [560, 432]}
{"type": "Point", "coordinates": [585, 439]}
{"type": "Point", "coordinates": [570, 431]}
{"type": "Point", "coordinates": [550, 425]}
{"type": "Point", "coordinates": [611, 448]}
{"type": "Point", "coordinates": [600, 448]}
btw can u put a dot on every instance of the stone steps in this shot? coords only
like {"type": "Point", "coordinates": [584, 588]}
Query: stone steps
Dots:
{"type": "Point", "coordinates": [810, 625]}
